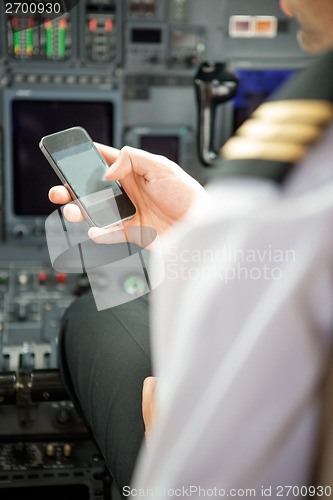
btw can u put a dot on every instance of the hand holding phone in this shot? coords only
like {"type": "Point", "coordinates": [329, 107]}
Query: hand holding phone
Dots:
{"type": "Point", "coordinates": [81, 168]}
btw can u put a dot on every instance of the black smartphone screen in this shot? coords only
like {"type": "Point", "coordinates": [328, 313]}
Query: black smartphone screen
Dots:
{"type": "Point", "coordinates": [82, 168]}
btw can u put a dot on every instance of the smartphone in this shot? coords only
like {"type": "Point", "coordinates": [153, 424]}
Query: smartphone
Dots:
{"type": "Point", "coordinates": [81, 168]}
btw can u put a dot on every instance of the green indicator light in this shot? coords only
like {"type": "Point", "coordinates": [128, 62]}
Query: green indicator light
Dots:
{"type": "Point", "coordinates": [30, 42]}
{"type": "Point", "coordinates": [62, 27]}
{"type": "Point", "coordinates": [17, 42]}
{"type": "Point", "coordinates": [61, 42]}
{"type": "Point", "coordinates": [49, 42]}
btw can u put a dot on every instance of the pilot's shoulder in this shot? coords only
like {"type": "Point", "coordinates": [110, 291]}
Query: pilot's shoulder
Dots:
{"type": "Point", "coordinates": [282, 131]}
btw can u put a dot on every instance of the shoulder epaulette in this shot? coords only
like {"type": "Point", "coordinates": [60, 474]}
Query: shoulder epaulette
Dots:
{"type": "Point", "coordinates": [282, 130]}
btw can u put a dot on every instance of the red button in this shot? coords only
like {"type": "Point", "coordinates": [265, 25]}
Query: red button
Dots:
{"type": "Point", "coordinates": [61, 278]}
{"type": "Point", "coordinates": [42, 277]}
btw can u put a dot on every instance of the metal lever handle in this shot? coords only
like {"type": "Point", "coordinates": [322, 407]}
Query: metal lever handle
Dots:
{"type": "Point", "coordinates": [214, 85]}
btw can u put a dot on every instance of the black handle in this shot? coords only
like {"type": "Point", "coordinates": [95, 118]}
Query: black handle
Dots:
{"type": "Point", "coordinates": [214, 85]}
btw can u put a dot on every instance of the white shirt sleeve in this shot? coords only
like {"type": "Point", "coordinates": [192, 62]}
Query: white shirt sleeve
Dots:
{"type": "Point", "coordinates": [241, 332]}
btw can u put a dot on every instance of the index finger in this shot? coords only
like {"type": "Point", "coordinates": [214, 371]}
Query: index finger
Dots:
{"type": "Point", "coordinates": [59, 195]}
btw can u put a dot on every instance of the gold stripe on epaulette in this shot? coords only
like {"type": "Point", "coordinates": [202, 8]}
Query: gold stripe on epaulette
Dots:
{"type": "Point", "coordinates": [313, 112]}
{"type": "Point", "coordinates": [280, 131]}
{"type": "Point", "coordinates": [289, 132]}
{"type": "Point", "coordinates": [241, 148]}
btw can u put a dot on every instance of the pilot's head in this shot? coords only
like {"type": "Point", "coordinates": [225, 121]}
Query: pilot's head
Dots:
{"type": "Point", "coordinates": [316, 22]}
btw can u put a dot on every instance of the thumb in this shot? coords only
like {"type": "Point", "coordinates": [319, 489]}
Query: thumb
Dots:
{"type": "Point", "coordinates": [131, 160]}
{"type": "Point", "coordinates": [114, 172]}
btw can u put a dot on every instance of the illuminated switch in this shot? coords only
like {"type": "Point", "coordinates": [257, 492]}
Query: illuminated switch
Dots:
{"type": "Point", "coordinates": [23, 279]}
{"type": "Point", "coordinates": [108, 25]}
{"type": "Point", "coordinates": [265, 27]}
{"type": "Point", "coordinates": [42, 277]}
{"type": "Point", "coordinates": [92, 24]}
{"type": "Point", "coordinates": [50, 450]}
{"type": "Point", "coordinates": [241, 27]}
{"type": "Point", "coordinates": [61, 278]}
{"type": "Point", "coordinates": [67, 450]}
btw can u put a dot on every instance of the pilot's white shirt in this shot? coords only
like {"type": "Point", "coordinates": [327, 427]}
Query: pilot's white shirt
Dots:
{"type": "Point", "coordinates": [241, 334]}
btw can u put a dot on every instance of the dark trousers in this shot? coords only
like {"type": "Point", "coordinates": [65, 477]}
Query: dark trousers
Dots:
{"type": "Point", "coordinates": [104, 358]}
